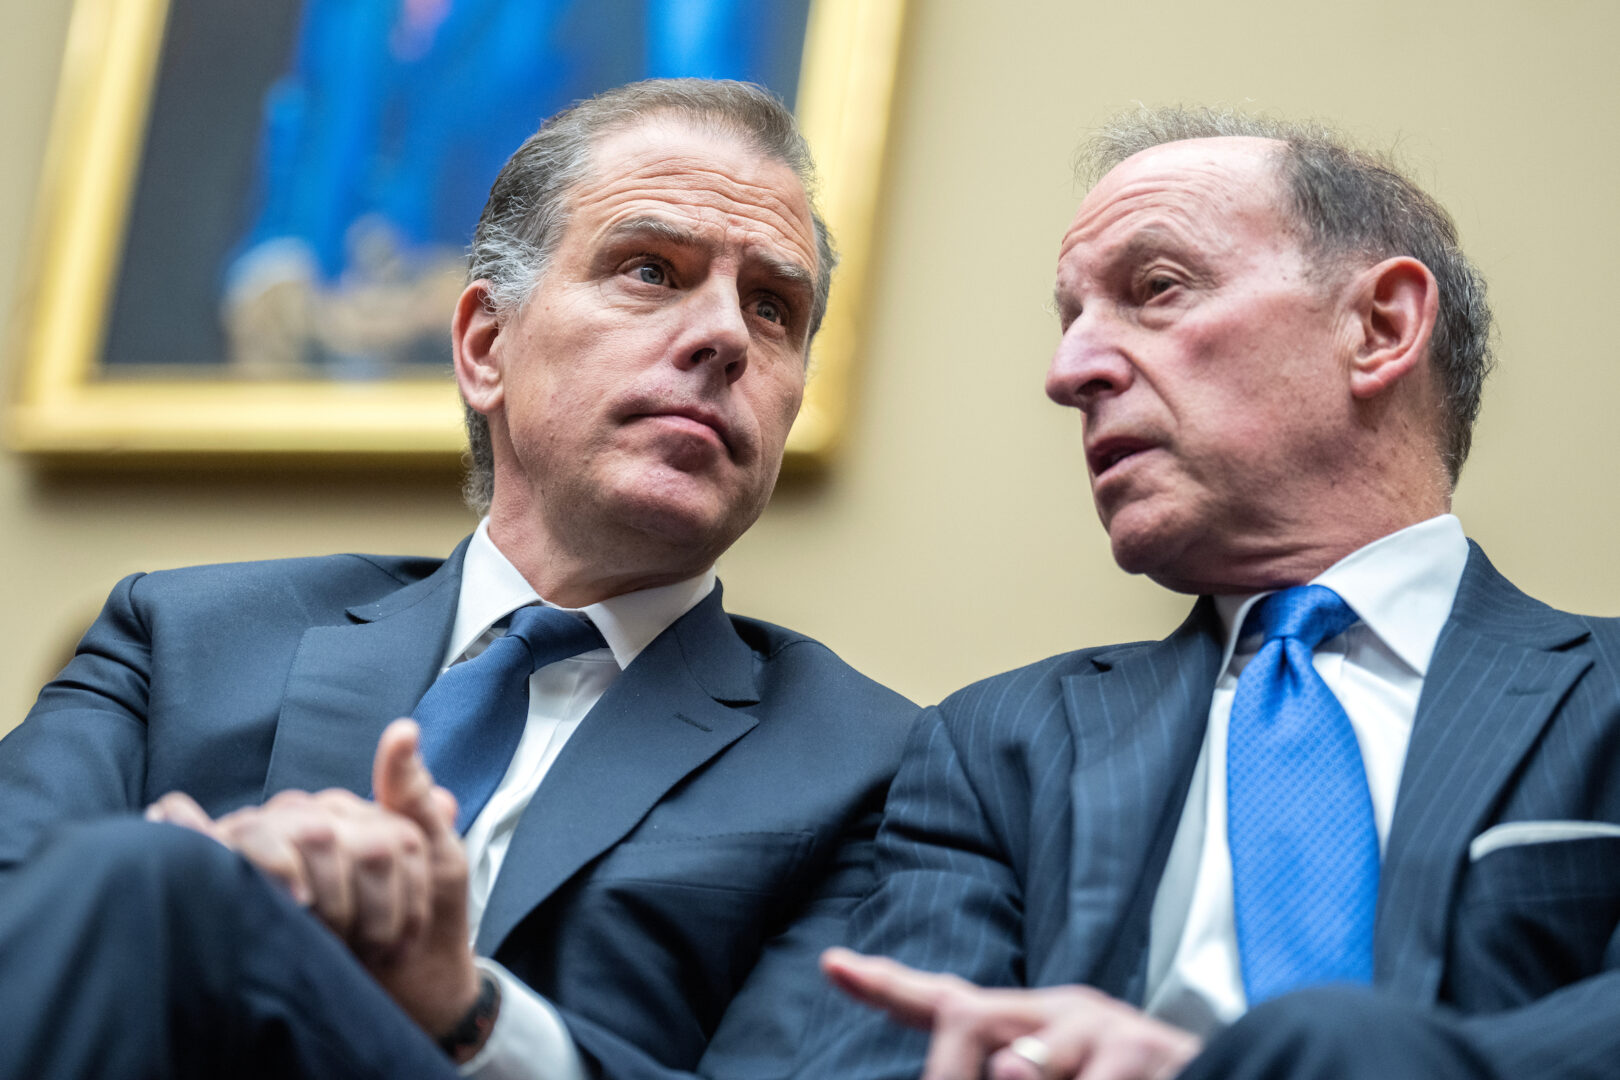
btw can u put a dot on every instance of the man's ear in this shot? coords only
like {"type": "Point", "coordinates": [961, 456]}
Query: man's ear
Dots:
{"type": "Point", "coordinates": [1396, 305]}
{"type": "Point", "coordinates": [474, 330]}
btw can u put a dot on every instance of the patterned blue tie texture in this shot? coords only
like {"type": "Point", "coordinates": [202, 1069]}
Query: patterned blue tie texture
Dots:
{"type": "Point", "coordinates": [474, 714]}
{"type": "Point", "coordinates": [1300, 820]}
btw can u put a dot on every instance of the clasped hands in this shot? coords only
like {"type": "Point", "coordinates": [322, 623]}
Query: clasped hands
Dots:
{"type": "Point", "coordinates": [1082, 1033]}
{"type": "Point", "coordinates": [389, 876]}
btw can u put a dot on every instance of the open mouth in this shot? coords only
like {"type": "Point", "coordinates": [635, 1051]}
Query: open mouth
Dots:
{"type": "Point", "coordinates": [1108, 453]}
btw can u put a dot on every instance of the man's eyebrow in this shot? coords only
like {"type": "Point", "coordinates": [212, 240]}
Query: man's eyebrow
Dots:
{"type": "Point", "coordinates": [1060, 303]}
{"type": "Point", "coordinates": [654, 228]}
{"type": "Point", "coordinates": [1137, 248]}
{"type": "Point", "coordinates": [787, 271]}
{"type": "Point", "coordinates": [1145, 243]}
{"type": "Point", "coordinates": [790, 273]}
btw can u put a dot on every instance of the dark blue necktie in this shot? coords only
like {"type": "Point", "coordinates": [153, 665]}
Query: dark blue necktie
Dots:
{"type": "Point", "coordinates": [1300, 820]}
{"type": "Point", "coordinates": [474, 714]}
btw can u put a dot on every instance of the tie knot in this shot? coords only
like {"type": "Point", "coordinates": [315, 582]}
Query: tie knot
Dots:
{"type": "Point", "coordinates": [1308, 613]}
{"type": "Point", "coordinates": [553, 634]}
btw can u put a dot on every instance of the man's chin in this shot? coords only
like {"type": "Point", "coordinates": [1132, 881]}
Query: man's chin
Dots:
{"type": "Point", "coordinates": [1151, 548]}
{"type": "Point", "coordinates": [1134, 556]}
{"type": "Point", "coordinates": [684, 515]}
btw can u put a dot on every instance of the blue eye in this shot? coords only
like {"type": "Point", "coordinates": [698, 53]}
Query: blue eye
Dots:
{"type": "Point", "coordinates": [652, 274]}
{"type": "Point", "coordinates": [771, 311]}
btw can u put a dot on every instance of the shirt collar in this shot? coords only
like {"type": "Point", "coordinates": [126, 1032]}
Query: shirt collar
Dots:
{"type": "Point", "coordinates": [1401, 586]}
{"type": "Point", "coordinates": [492, 588]}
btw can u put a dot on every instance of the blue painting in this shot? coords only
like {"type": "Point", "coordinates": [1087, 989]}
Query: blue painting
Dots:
{"type": "Point", "coordinates": [312, 173]}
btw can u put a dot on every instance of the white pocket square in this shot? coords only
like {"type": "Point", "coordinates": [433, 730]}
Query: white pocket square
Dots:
{"type": "Point", "coordinates": [1517, 833]}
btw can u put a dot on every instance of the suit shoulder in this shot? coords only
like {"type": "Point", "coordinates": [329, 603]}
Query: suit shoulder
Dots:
{"type": "Point", "coordinates": [786, 659]}
{"type": "Point", "coordinates": [1491, 604]}
{"type": "Point", "coordinates": [325, 581]}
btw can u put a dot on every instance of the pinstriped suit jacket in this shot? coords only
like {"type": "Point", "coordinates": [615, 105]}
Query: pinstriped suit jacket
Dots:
{"type": "Point", "coordinates": [1028, 828]}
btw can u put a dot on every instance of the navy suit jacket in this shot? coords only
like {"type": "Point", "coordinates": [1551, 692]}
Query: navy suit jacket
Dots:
{"type": "Point", "coordinates": [700, 838]}
{"type": "Point", "coordinates": [1029, 827]}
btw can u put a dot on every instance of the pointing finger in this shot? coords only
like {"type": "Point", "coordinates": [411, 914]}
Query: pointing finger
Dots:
{"type": "Point", "coordinates": [908, 995]}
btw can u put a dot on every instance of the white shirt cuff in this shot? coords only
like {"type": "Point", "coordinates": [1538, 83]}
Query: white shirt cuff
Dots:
{"type": "Point", "coordinates": [529, 1040]}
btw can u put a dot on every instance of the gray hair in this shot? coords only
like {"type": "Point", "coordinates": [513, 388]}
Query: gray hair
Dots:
{"type": "Point", "coordinates": [530, 202]}
{"type": "Point", "coordinates": [1346, 203]}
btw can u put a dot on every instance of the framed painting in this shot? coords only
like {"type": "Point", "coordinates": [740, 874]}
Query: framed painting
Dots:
{"type": "Point", "coordinates": [253, 213]}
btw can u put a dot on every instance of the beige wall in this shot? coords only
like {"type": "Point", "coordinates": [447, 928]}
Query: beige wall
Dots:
{"type": "Point", "coordinates": [956, 536]}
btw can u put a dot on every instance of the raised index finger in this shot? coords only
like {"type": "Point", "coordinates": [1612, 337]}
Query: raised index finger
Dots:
{"type": "Point", "coordinates": [910, 996]}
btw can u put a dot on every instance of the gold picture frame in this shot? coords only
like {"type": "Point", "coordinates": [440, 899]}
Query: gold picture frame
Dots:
{"type": "Point", "coordinates": [60, 408]}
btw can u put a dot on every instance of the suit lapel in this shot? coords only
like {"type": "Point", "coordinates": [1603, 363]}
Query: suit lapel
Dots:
{"type": "Point", "coordinates": [1497, 676]}
{"type": "Point", "coordinates": [664, 717]}
{"type": "Point", "coordinates": [1138, 719]}
{"type": "Point", "coordinates": [347, 682]}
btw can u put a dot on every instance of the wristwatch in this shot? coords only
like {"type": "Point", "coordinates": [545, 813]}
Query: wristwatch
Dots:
{"type": "Point", "coordinates": [475, 1025]}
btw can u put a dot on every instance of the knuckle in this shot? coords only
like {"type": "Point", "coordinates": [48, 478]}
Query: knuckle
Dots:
{"type": "Point", "coordinates": [337, 800]}
{"type": "Point", "coordinates": [314, 834]}
{"type": "Point", "coordinates": [236, 819]}
{"type": "Point", "coordinates": [374, 856]}
{"type": "Point", "coordinates": [239, 827]}
{"type": "Point", "coordinates": [290, 798]}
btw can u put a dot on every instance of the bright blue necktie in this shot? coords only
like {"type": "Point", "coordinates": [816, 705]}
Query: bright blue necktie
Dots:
{"type": "Point", "coordinates": [474, 714]}
{"type": "Point", "coordinates": [1300, 820]}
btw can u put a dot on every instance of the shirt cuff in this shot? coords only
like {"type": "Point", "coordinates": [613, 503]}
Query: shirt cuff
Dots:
{"type": "Point", "coordinates": [529, 1040]}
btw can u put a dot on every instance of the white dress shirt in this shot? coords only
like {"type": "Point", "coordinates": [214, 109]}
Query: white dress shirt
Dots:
{"type": "Point", "coordinates": [529, 1040]}
{"type": "Point", "coordinates": [1402, 588]}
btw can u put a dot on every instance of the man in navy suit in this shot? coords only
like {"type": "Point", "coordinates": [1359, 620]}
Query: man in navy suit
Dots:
{"type": "Point", "coordinates": [684, 816]}
{"type": "Point", "coordinates": [1359, 815]}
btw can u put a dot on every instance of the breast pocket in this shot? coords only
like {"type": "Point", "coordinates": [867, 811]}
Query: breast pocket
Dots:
{"type": "Point", "coordinates": [1534, 917]}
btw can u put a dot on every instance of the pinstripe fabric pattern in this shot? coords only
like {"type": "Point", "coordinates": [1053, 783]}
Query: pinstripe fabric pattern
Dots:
{"type": "Point", "coordinates": [1028, 828]}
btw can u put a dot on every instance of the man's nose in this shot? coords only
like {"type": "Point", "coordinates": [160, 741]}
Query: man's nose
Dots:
{"type": "Point", "coordinates": [715, 330]}
{"type": "Point", "coordinates": [1089, 364]}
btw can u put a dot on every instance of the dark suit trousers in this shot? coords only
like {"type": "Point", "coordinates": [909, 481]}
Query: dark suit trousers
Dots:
{"type": "Point", "coordinates": [1339, 1033]}
{"type": "Point", "coordinates": [133, 951]}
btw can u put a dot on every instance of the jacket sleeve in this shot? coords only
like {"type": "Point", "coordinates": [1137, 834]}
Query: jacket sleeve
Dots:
{"type": "Point", "coordinates": [81, 751]}
{"type": "Point", "coordinates": [947, 899]}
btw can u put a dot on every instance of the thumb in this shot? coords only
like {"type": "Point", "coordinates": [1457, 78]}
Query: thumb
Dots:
{"type": "Point", "coordinates": [404, 786]}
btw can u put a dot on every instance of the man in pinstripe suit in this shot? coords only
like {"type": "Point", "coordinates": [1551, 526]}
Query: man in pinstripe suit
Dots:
{"type": "Point", "coordinates": [1277, 348]}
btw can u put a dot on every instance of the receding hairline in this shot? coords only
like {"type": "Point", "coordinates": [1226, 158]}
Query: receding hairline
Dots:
{"type": "Point", "coordinates": [1267, 154]}
{"type": "Point", "coordinates": [673, 118]}
{"type": "Point", "coordinates": [1270, 157]}
{"type": "Point", "coordinates": [1265, 144]}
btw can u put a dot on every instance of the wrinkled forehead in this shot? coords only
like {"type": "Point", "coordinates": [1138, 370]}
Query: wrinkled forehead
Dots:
{"type": "Point", "coordinates": [696, 169]}
{"type": "Point", "coordinates": [1193, 180]}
